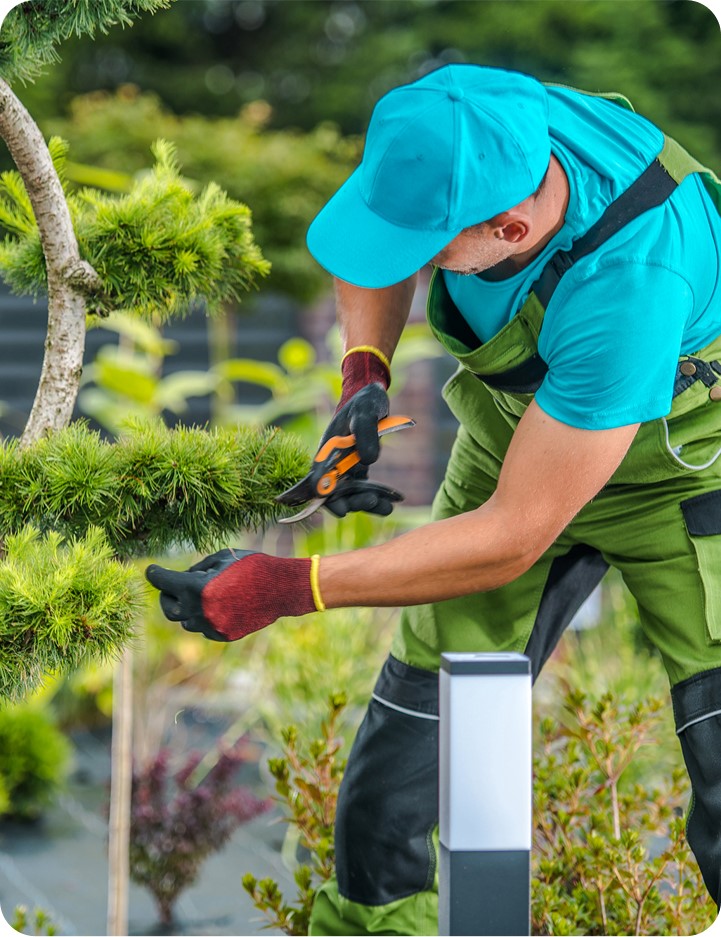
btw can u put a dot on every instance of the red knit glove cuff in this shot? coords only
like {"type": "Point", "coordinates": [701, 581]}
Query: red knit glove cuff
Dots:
{"type": "Point", "coordinates": [360, 368]}
{"type": "Point", "coordinates": [255, 591]}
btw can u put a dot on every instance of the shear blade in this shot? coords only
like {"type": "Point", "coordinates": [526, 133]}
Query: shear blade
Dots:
{"type": "Point", "coordinates": [309, 509]}
{"type": "Point", "coordinates": [406, 423]}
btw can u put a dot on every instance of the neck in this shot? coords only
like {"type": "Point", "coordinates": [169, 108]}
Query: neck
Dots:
{"type": "Point", "coordinates": [551, 207]}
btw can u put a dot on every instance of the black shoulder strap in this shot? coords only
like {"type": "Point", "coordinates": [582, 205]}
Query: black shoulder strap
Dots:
{"type": "Point", "coordinates": [651, 189]}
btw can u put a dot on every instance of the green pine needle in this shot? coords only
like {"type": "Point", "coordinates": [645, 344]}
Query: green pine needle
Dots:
{"type": "Point", "coordinates": [61, 606]}
{"type": "Point", "coordinates": [157, 249]}
{"type": "Point", "coordinates": [32, 30]}
{"type": "Point", "coordinates": [154, 489]}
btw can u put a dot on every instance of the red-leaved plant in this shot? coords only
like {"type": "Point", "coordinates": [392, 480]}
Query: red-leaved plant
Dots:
{"type": "Point", "coordinates": [176, 824]}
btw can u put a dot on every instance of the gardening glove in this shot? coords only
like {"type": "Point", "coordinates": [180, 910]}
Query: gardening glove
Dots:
{"type": "Point", "coordinates": [363, 402]}
{"type": "Point", "coordinates": [233, 593]}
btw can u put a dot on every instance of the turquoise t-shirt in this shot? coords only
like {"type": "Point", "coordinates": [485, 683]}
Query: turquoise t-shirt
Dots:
{"type": "Point", "coordinates": [619, 319]}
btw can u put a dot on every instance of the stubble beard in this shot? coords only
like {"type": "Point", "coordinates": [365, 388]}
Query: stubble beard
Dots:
{"type": "Point", "coordinates": [486, 256]}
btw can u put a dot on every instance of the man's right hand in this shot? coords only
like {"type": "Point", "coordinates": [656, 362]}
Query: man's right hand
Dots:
{"type": "Point", "coordinates": [364, 401]}
{"type": "Point", "coordinates": [360, 416]}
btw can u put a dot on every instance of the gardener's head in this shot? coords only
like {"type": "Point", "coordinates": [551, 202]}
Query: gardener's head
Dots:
{"type": "Point", "coordinates": [459, 147]}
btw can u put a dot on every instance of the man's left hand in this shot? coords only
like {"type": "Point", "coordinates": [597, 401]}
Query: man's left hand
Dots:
{"type": "Point", "coordinates": [233, 593]}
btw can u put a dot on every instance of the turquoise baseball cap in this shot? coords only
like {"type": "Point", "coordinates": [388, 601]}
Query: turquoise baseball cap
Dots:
{"type": "Point", "coordinates": [445, 152]}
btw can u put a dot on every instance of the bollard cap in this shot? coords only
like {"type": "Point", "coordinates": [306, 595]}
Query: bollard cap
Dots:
{"type": "Point", "coordinates": [485, 663]}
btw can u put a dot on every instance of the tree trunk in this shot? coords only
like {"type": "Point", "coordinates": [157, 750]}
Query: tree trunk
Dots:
{"type": "Point", "coordinates": [70, 279]}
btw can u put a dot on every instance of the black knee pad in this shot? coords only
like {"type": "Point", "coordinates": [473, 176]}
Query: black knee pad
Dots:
{"type": "Point", "coordinates": [697, 711]}
{"type": "Point", "coordinates": [388, 802]}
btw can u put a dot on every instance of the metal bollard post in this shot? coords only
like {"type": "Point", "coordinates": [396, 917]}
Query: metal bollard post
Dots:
{"type": "Point", "coordinates": [485, 794]}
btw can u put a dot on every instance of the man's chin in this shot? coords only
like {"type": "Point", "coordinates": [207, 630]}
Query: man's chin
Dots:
{"type": "Point", "coordinates": [463, 272]}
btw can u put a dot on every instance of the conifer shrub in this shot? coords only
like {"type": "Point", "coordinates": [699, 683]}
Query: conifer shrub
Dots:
{"type": "Point", "coordinates": [176, 824]}
{"type": "Point", "coordinates": [34, 762]}
{"type": "Point", "coordinates": [157, 248]}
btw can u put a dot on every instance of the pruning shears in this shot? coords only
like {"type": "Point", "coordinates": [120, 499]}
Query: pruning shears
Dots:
{"type": "Point", "coordinates": [329, 473]}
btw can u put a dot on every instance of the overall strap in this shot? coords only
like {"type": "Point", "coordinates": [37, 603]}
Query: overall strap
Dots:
{"type": "Point", "coordinates": [651, 189]}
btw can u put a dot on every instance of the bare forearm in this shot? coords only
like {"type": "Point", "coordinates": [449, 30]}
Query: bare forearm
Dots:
{"type": "Point", "coordinates": [550, 472]}
{"type": "Point", "coordinates": [374, 317]}
{"type": "Point", "coordinates": [473, 552]}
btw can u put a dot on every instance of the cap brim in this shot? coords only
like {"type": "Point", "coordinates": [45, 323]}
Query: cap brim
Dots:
{"type": "Point", "coordinates": [355, 244]}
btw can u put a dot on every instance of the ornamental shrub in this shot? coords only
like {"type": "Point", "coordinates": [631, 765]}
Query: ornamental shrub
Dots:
{"type": "Point", "coordinates": [176, 824]}
{"type": "Point", "coordinates": [610, 852]}
{"type": "Point", "coordinates": [34, 758]}
{"type": "Point", "coordinates": [610, 856]}
{"type": "Point", "coordinates": [307, 779]}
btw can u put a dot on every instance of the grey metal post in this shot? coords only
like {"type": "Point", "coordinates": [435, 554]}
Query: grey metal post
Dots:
{"type": "Point", "coordinates": [485, 794]}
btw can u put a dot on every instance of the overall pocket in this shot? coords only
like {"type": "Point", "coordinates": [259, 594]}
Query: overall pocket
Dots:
{"type": "Point", "coordinates": [702, 516]}
{"type": "Point", "coordinates": [685, 441]}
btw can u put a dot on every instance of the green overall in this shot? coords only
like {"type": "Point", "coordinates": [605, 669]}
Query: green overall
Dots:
{"type": "Point", "coordinates": [658, 520]}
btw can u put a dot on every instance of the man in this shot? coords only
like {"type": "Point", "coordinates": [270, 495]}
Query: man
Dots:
{"type": "Point", "coordinates": [577, 255]}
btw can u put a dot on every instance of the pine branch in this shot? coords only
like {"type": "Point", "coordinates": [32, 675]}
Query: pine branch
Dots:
{"type": "Point", "coordinates": [32, 31]}
{"type": "Point", "coordinates": [61, 606]}
{"type": "Point", "coordinates": [152, 490]}
{"type": "Point", "coordinates": [72, 503]}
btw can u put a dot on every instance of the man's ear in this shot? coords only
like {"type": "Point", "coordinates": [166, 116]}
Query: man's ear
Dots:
{"type": "Point", "coordinates": [514, 231]}
{"type": "Point", "coordinates": [512, 226]}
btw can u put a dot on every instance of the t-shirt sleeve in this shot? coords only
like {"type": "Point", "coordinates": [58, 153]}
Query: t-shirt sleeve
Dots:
{"type": "Point", "coordinates": [611, 337]}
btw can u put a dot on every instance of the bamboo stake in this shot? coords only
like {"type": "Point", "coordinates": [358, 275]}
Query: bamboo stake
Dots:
{"type": "Point", "coordinates": [120, 790]}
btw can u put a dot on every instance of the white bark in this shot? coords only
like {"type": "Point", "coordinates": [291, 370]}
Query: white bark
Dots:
{"type": "Point", "coordinates": [70, 279]}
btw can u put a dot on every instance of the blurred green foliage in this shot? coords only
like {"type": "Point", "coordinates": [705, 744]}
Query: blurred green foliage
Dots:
{"type": "Point", "coordinates": [315, 60]}
{"type": "Point", "coordinates": [38, 922]}
{"type": "Point", "coordinates": [35, 759]}
{"type": "Point", "coordinates": [302, 390]}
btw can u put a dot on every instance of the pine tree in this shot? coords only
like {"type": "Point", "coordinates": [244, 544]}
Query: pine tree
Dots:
{"type": "Point", "coordinates": [71, 504]}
